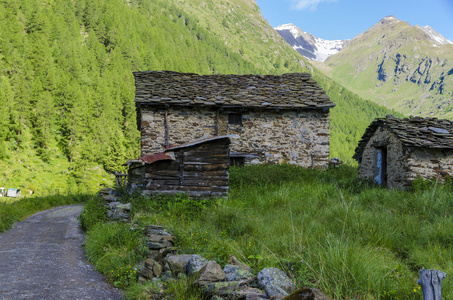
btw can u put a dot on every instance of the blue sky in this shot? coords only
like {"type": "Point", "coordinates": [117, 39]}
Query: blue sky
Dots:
{"type": "Point", "coordinates": [344, 19]}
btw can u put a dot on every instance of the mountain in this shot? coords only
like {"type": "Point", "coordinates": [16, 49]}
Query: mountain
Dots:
{"type": "Point", "coordinates": [402, 67]}
{"type": "Point", "coordinates": [310, 46]}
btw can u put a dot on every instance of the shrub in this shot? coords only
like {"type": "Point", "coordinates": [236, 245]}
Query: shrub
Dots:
{"type": "Point", "coordinates": [93, 213]}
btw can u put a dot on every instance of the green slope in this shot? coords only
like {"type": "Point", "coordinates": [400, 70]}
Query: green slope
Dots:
{"type": "Point", "coordinates": [66, 87]}
{"type": "Point", "coordinates": [398, 66]}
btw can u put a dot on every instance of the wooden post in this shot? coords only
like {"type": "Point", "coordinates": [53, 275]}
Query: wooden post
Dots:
{"type": "Point", "coordinates": [431, 281]}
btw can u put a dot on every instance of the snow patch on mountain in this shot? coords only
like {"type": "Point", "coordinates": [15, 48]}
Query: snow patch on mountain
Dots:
{"type": "Point", "coordinates": [434, 35]}
{"type": "Point", "coordinates": [310, 46]}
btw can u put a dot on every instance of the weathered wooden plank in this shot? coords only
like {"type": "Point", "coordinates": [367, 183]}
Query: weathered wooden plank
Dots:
{"type": "Point", "coordinates": [207, 167]}
{"type": "Point", "coordinates": [205, 173]}
{"type": "Point", "coordinates": [211, 151]}
{"type": "Point", "coordinates": [185, 188]}
{"type": "Point", "coordinates": [207, 159]}
{"type": "Point", "coordinates": [169, 172]}
{"type": "Point", "coordinates": [161, 177]}
{"type": "Point", "coordinates": [165, 181]}
{"type": "Point", "coordinates": [205, 178]}
{"type": "Point", "coordinates": [205, 182]}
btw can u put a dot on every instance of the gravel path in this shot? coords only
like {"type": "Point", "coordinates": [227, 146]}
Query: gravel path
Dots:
{"type": "Point", "coordinates": [42, 258]}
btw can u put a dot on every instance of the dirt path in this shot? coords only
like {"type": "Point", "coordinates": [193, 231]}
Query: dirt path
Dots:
{"type": "Point", "coordinates": [42, 258]}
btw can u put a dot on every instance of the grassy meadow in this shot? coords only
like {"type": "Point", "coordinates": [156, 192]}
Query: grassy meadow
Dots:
{"type": "Point", "coordinates": [326, 229]}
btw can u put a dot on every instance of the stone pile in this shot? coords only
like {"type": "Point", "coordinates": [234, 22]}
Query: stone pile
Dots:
{"type": "Point", "coordinates": [116, 210]}
{"type": "Point", "coordinates": [234, 281]}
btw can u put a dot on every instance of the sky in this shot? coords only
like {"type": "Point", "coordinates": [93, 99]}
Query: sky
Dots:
{"type": "Point", "coordinates": [344, 19]}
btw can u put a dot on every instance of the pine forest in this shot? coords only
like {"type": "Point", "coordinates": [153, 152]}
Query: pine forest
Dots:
{"type": "Point", "coordinates": [67, 108]}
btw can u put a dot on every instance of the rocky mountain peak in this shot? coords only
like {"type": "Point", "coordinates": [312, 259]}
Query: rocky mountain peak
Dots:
{"type": "Point", "coordinates": [310, 46]}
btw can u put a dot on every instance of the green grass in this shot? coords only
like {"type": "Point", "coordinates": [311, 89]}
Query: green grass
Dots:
{"type": "Point", "coordinates": [327, 229]}
{"type": "Point", "coordinates": [17, 209]}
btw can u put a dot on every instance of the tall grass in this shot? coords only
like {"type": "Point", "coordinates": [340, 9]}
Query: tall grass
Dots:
{"type": "Point", "coordinates": [325, 229]}
{"type": "Point", "coordinates": [18, 209]}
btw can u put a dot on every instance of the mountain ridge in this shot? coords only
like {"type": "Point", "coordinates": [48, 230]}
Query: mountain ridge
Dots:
{"type": "Point", "coordinates": [402, 67]}
{"type": "Point", "coordinates": [310, 46]}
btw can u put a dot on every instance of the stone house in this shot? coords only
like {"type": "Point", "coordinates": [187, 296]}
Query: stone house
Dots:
{"type": "Point", "coordinates": [394, 152]}
{"type": "Point", "coordinates": [199, 168]}
{"type": "Point", "coordinates": [274, 119]}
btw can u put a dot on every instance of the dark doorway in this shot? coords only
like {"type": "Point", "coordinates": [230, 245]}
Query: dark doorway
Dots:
{"type": "Point", "coordinates": [381, 177]}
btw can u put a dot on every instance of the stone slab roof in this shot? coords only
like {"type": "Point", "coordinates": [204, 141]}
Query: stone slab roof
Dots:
{"type": "Point", "coordinates": [288, 91]}
{"type": "Point", "coordinates": [414, 132]}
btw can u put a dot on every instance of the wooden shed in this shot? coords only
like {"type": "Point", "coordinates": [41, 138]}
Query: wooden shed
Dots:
{"type": "Point", "coordinates": [394, 152]}
{"type": "Point", "coordinates": [199, 168]}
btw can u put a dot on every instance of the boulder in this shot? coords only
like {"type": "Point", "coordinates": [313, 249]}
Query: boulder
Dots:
{"type": "Point", "coordinates": [195, 264]}
{"type": "Point", "coordinates": [235, 262]}
{"type": "Point", "coordinates": [113, 205]}
{"type": "Point", "coordinates": [275, 282]}
{"type": "Point", "coordinates": [211, 272]}
{"type": "Point", "coordinates": [237, 273]}
{"type": "Point", "coordinates": [248, 293]}
{"type": "Point", "coordinates": [157, 230]}
{"type": "Point", "coordinates": [177, 263]}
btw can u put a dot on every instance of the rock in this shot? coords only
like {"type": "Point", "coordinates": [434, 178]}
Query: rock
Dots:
{"type": "Point", "coordinates": [167, 276]}
{"type": "Point", "coordinates": [235, 262]}
{"type": "Point", "coordinates": [220, 289]}
{"type": "Point", "coordinates": [124, 207]}
{"type": "Point", "coordinates": [113, 205]}
{"type": "Point", "coordinates": [169, 250]}
{"type": "Point", "coordinates": [156, 255]}
{"type": "Point", "coordinates": [237, 273]}
{"type": "Point", "coordinates": [110, 198]}
{"type": "Point", "coordinates": [275, 282]}
{"type": "Point", "coordinates": [211, 272]}
{"type": "Point", "coordinates": [155, 246]}
{"type": "Point", "coordinates": [307, 294]}
{"type": "Point", "coordinates": [177, 263]}
{"type": "Point", "coordinates": [274, 291]}
{"type": "Point", "coordinates": [195, 264]}
{"type": "Point", "coordinates": [248, 293]}
{"type": "Point", "coordinates": [157, 230]}
{"type": "Point", "coordinates": [151, 269]}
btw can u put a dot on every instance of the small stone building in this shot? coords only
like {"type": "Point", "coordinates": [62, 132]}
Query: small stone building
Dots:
{"type": "Point", "coordinates": [275, 119]}
{"type": "Point", "coordinates": [394, 152]}
{"type": "Point", "coordinates": [199, 168]}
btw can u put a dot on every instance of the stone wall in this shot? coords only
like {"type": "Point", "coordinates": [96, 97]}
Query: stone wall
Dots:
{"type": "Point", "coordinates": [286, 136]}
{"type": "Point", "coordinates": [397, 169]}
{"type": "Point", "coordinates": [430, 163]}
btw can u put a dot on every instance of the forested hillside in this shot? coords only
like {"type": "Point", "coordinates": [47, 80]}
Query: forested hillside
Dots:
{"type": "Point", "coordinates": [66, 87]}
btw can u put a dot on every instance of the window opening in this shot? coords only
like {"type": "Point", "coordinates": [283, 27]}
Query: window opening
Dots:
{"type": "Point", "coordinates": [237, 161]}
{"type": "Point", "coordinates": [235, 119]}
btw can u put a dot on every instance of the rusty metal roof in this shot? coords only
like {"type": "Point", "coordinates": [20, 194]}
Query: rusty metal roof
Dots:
{"type": "Point", "coordinates": [415, 132]}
